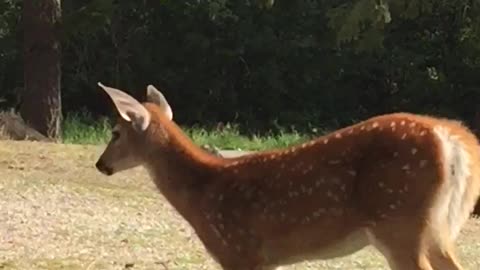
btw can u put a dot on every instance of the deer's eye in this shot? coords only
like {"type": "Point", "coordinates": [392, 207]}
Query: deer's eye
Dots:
{"type": "Point", "coordinates": [115, 135]}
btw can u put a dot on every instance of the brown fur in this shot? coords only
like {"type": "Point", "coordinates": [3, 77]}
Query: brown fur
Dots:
{"type": "Point", "coordinates": [375, 182]}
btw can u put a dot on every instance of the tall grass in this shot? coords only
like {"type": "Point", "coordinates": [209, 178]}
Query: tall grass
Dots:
{"type": "Point", "coordinates": [82, 129]}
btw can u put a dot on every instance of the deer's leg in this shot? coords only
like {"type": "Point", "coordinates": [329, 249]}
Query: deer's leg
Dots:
{"type": "Point", "coordinates": [409, 261]}
{"type": "Point", "coordinates": [402, 246]}
{"type": "Point", "coordinates": [256, 268]}
{"type": "Point", "coordinates": [445, 258]}
{"type": "Point", "coordinates": [404, 259]}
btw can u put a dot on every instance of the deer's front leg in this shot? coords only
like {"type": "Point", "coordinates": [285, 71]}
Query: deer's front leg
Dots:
{"type": "Point", "coordinates": [255, 268]}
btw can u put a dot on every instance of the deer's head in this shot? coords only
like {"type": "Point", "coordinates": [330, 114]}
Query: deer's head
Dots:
{"type": "Point", "coordinates": [129, 143]}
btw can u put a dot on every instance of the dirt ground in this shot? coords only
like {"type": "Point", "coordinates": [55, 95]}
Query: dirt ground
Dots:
{"type": "Point", "coordinates": [58, 212]}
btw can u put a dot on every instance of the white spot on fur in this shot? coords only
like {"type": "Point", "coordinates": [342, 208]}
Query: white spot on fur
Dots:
{"type": "Point", "coordinates": [338, 135]}
{"type": "Point", "coordinates": [333, 162]}
{"type": "Point", "coordinates": [336, 211]}
{"type": "Point", "coordinates": [423, 163]}
{"type": "Point", "coordinates": [404, 136]}
{"type": "Point", "coordinates": [414, 151]}
{"type": "Point", "coordinates": [319, 182]}
{"type": "Point", "coordinates": [215, 230]}
{"type": "Point", "coordinates": [452, 204]}
{"type": "Point", "coordinates": [375, 124]}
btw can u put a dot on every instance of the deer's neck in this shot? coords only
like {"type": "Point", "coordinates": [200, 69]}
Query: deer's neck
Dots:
{"type": "Point", "coordinates": [183, 173]}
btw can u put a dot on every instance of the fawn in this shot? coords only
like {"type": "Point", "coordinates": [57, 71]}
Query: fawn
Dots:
{"type": "Point", "coordinates": [404, 183]}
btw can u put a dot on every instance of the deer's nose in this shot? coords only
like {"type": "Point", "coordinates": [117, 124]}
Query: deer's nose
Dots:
{"type": "Point", "coordinates": [103, 168]}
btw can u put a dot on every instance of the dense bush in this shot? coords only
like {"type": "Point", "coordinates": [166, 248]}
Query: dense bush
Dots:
{"type": "Point", "coordinates": [298, 63]}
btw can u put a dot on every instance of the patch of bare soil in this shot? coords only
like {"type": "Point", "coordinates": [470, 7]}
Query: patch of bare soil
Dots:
{"type": "Point", "coordinates": [58, 212]}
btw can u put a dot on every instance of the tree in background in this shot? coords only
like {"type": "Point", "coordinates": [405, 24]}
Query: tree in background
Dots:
{"type": "Point", "coordinates": [41, 99]}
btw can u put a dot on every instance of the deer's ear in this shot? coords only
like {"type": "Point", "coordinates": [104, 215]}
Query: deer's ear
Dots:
{"type": "Point", "coordinates": [155, 96]}
{"type": "Point", "coordinates": [129, 108]}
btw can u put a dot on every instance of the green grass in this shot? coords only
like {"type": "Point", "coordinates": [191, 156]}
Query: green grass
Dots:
{"type": "Point", "coordinates": [82, 129]}
{"type": "Point", "coordinates": [230, 138]}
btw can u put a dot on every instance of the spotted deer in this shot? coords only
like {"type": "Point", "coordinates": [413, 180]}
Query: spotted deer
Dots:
{"type": "Point", "coordinates": [403, 183]}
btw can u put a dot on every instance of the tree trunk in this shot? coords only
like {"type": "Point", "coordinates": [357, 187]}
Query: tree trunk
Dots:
{"type": "Point", "coordinates": [41, 104]}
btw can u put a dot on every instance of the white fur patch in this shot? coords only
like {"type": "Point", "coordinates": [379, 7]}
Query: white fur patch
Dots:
{"type": "Point", "coordinates": [450, 205]}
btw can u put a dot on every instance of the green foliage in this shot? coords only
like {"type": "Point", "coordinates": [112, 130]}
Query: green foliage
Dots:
{"type": "Point", "coordinates": [266, 65]}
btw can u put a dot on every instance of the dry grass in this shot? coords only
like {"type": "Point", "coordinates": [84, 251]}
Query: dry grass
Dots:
{"type": "Point", "coordinates": [57, 212]}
